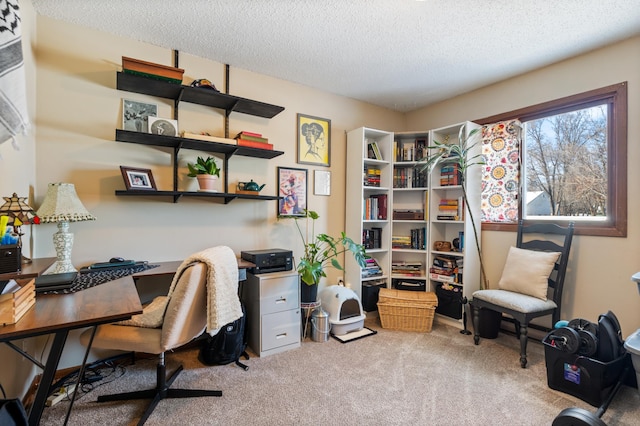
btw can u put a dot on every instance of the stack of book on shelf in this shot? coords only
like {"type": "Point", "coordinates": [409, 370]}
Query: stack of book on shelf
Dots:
{"type": "Point", "coordinates": [375, 207]}
{"type": "Point", "coordinates": [372, 238]}
{"type": "Point", "coordinates": [446, 269]}
{"type": "Point", "coordinates": [451, 209]}
{"type": "Point", "coordinates": [203, 136]}
{"type": "Point", "coordinates": [253, 140]}
{"type": "Point", "coordinates": [414, 150]}
{"type": "Point", "coordinates": [450, 175]}
{"type": "Point", "coordinates": [151, 70]}
{"type": "Point", "coordinates": [410, 214]}
{"type": "Point", "coordinates": [373, 151]}
{"type": "Point", "coordinates": [407, 269]}
{"type": "Point", "coordinates": [372, 269]}
{"type": "Point", "coordinates": [416, 240]}
{"type": "Point", "coordinates": [371, 176]}
{"type": "Point", "coordinates": [16, 297]}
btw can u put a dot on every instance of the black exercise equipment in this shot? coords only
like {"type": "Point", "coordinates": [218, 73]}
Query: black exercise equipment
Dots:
{"type": "Point", "coordinates": [576, 416]}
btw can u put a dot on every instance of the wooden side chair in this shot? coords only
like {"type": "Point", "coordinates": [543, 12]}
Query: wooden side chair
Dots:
{"type": "Point", "coordinates": [532, 280]}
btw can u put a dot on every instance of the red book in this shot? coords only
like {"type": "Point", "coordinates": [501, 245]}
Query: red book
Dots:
{"type": "Point", "coordinates": [253, 144]}
{"type": "Point", "coordinates": [257, 135]}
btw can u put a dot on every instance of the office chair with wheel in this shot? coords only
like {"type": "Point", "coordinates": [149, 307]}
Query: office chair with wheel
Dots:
{"type": "Point", "coordinates": [185, 318]}
{"type": "Point", "coordinates": [532, 280]}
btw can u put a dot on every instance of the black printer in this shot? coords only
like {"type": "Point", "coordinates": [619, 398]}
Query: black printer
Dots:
{"type": "Point", "coordinates": [269, 260]}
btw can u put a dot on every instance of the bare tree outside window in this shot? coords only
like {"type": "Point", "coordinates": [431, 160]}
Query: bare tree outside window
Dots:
{"type": "Point", "coordinates": [566, 165]}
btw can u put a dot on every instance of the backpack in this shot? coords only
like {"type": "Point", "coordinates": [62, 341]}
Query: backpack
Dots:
{"type": "Point", "coordinates": [228, 345]}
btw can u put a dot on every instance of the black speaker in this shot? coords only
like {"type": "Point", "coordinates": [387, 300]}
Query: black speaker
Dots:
{"type": "Point", "coordinates": [10, 259]}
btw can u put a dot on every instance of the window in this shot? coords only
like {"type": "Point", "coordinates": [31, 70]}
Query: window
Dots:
{"type": "Point", "coordinates": [574, 162]}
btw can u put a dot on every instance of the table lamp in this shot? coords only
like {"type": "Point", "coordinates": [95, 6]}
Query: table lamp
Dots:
{"type": "Point", "coordinates": [19, 213]}
{"type": "Point", "coordinates": [62, 205]}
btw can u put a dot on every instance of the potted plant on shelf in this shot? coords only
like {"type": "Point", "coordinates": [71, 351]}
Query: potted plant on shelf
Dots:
{"type": "Point", "coordinates": [320, 252]}
{"type": "Point", "coordinates": [206, 171]}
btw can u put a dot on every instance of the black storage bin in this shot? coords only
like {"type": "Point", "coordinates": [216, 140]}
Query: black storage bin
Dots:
{"type": "Point", "coordinates": [449, 302]}
{"type": "Point", "coordinates": [370, 290]}
{"type": "Point", "coordinates": [412, 285]}
{"type": "Point", "coordinates": [583, 377]}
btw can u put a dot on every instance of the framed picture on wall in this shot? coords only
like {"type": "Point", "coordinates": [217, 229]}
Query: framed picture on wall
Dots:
{"type": "Point", "coordinates": [314, 140]}
{"type": "Point", "coordinates": [292, 190]}
{"type": "Point", "coordinates": [321, 182]}
{"type": "Point", "coordinates": [135, 115]}
{"type": "Point", "coordinates": [138, 178]}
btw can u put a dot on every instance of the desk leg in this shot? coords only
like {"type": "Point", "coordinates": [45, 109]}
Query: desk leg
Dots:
{"type": "Point", "coordinates": [47, 377]}
{"type": "Point", "coordinates": [80, 374]}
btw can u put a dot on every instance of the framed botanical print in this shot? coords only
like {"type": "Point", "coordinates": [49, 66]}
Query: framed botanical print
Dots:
{"type": "Point", "coordinates": [135, 115]}
{"type": "Point", "coordinates": [292, 190]}
{"type": "Point", "coordinates": [314, 140]}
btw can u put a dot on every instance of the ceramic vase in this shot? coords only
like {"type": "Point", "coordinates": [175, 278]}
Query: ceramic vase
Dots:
{"type": "Point", "coordinates": [207, 182]}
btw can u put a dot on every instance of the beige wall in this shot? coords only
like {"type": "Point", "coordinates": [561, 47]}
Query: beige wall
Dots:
{"type": "Point", "coordinates": [600, 267]}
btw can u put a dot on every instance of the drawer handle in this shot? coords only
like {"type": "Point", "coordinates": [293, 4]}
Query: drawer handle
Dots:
{"type": "Point", "coordinates": [281, 336]}
{"type": "Point", "coordinates": [281, 300]}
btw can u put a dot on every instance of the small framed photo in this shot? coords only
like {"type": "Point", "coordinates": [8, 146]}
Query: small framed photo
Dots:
{"type": "Point", "coordinates": [314, 140]}
{"type": "Point", "coordinates": [321, 182]}
{"type": "Point", "coordinates": [292, 192]}
{"type": "Point", "coordinates": [138, 179]}
{"type": "Point", "coordinates": [135, 115]}
{"type": "Point", "coordinates": [163, 126]}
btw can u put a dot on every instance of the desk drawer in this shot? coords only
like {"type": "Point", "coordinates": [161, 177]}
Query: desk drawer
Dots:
{"type": "Point", "coordinates": [279, 295]}
{"type": "Point", "coordinates": [280, 329]}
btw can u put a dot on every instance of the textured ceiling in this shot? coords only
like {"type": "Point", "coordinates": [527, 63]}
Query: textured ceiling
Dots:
{"type": "Point", "coordinates": [400, 54]}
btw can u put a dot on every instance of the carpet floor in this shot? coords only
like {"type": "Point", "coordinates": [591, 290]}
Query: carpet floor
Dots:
{"type": "Point", "coordinates": [390, 378]}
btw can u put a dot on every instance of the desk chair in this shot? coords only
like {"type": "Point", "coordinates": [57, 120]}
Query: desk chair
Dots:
{"type": "Point", "coordinates": [184, 319]}
{"type": "Point", "coordinates": [531, 283]}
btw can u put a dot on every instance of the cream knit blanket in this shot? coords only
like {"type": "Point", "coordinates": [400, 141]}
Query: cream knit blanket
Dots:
{"type": "Point", "coordinates": [223, 303]}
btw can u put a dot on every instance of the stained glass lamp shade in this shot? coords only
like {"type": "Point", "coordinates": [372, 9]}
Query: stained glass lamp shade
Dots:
{"type": "Point", "coordinates": [19, 213]}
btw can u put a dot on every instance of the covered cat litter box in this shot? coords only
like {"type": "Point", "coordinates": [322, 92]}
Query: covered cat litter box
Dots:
{"type": "Point", "coordinates": [344, 309]}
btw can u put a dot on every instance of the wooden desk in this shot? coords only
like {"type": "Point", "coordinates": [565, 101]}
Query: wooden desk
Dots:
{"type": "Point", "coordinates": [59, 313]}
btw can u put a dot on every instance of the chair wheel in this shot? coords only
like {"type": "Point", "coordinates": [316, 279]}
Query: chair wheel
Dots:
{"type": "Point", "coordinates": [576, 416]}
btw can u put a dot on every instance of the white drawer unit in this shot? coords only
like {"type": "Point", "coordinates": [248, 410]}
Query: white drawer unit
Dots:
{"type": "Point", "coordinates": [272, 304]}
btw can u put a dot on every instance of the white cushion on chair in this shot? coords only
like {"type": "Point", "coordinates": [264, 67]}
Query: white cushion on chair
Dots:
{"type": "Point", "coordinates": [527, 272]}
{"type": "Point", "coordinates": [152, 315]}
{"type": "Point", "coordinates": [516, 301]}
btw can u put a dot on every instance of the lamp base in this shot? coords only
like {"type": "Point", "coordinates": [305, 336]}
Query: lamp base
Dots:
{"type": "Point", "coordinates": [61, 266]}
{"type": "Point", "coordinates": [63, 242]}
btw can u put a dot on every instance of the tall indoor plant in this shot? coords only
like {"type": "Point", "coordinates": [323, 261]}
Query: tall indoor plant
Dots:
{"type": "Point", "coordinates": [320, 252]}
{"type": "Point", "coordinates": [461, 154]}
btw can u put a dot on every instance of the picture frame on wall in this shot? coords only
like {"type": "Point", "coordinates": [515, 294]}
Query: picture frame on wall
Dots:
{"type": "Point", "coordinates": [135, 115]}
{"type": "Point", "coordinates": [314, 140]}
{"type": "Point", "coordinates": [292, 192]}
{"type": "Point", "coordinates": [135, 179]}
{"type": "Point", "coordinates": [321, 182]}
{"type": "Point", "coordinates": [163, 126]}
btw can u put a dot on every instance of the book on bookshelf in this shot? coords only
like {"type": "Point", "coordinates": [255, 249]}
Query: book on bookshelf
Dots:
{"type": "Point", "coordinates": [207, 137]}
{"type": "Point", "coordinates": [250, 137]}
{"type": "Point", "coordinates": [244, 132]}
{"type": "Point", "coordinates": [254, 144]}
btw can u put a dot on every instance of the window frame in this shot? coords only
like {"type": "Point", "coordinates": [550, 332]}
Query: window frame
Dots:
{"type": "Point", "coordinates": [615, 96]}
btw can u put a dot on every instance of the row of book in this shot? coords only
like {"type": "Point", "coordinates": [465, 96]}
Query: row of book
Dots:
{"type": "Point", "coordinates": [450, 175]}
{"type": "Point", "coordinates": [375, 207]}
{"type": "Point", "coordinates": [414, 150]}
{"type": "Point", "coordinates": [451, 209]}
{"type": "Point", "coordinates": [373, 150]}
{"type": "Point", "coordinates": [408, 269]}
{"type": "Point", "coordinates": [446, 269]}
{"type": "Point", "coordinates": [371, 176]}
{"type": "Point", "coordinates": [416, 240]}
{"type": "Point", "coordinates": [372, 238]}
{"type": "Point", "coordinates": [409, 177]}
{"type": "Point", "coordinates": [372, 269]}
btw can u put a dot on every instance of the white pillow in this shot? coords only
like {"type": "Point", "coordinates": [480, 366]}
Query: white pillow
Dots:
{"type": "Point", "coordinates": [527, 272]}
{"type": "Point", "coordinates": [152, 315]}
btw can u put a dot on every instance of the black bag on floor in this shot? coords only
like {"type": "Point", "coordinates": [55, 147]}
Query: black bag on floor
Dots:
{"type": "Point", "coordinates": [228, 345]}
{"type": "Point", "coordinates": [12, 413]}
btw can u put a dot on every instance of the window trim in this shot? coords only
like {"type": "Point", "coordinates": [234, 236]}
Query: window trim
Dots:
{"type": "Point", "coordinates": [616, 98]}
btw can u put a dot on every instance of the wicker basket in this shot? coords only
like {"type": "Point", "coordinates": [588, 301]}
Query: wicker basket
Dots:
{"type": "Point", "coordinates": [407, 310]}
